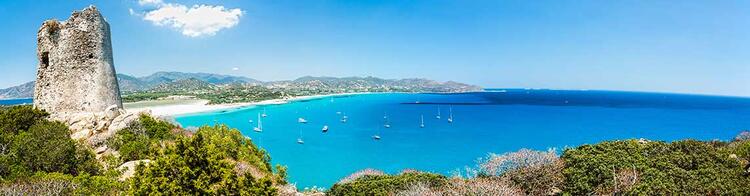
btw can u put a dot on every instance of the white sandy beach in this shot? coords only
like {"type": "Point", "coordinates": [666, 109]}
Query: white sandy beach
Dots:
{"type": "Point", "coordinates": [170, 108]}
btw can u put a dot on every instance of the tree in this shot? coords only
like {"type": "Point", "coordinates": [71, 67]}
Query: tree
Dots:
{"type": "Point", "coordinates": [205, 164]}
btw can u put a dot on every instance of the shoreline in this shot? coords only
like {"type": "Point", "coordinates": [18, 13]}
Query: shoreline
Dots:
{"type": "Point", "coordinates": [197, 106]}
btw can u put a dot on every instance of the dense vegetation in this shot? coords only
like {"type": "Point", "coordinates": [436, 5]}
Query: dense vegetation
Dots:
{"type": "Point", "coordinates": [658, 168]}
{"type": "Point", "coordinates": [629, 167]}
{"type": "Point", "coordinates": [37, 157]}
{"type": "Point", "coordinates": [38, 152]}
{"type": "Point", "coordinates": [215, 161]}
{"type": "Point", "coordinates": [365, 183]}
{"type": "Point", "coordinates": [143, 139]}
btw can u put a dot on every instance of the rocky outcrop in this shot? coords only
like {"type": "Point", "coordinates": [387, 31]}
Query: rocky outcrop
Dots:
{"type": "Point", "coordinates": [128, 168]}
{"type": "Point", "coordinates": [76, 72]}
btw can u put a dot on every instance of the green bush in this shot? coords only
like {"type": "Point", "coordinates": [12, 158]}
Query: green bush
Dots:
{"type": "Point", "coordinates": [386, 184]}
{"type": "Point", "coordinates": [657, 168]}
{"type": "Point", "coordinates": [206, 164]}
{"type": "Point", "coordinates": [33, 144]}
{"type": "Point", "coordinates": [142, 139]}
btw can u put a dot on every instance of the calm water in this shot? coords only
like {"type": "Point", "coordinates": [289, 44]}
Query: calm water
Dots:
{"type": "Point", "coordinates": [483, 122]}
{"type": "Point", "coordinates": [16, 101]}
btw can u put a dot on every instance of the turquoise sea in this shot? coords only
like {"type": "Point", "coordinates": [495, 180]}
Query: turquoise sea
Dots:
{"type": "Point", "coordinates": [496, 121]}
{"type": "Point", "coordinates": [15, 101]}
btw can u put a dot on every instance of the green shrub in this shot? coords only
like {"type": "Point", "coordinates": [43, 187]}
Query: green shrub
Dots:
{"type": "Point", "coordinates": [657, 168]}
{"type": "Point", "coordinates": [19, 118]}
{"type": "Point", "coordinates": [142, 139]}
{"type": "Point", "coordinates": [205, 164]}
{"type": "Point", "coordinates": [386, 184]}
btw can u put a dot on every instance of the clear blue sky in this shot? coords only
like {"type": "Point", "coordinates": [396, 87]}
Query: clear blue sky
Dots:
{"type": "Point", "coordinates": [669, 46]}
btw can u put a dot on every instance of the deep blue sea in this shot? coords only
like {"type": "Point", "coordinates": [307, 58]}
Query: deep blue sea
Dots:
{"type": "Point", "coordinates": [484, 122]}
{"type": "Point", "coordinates": [15, 101]}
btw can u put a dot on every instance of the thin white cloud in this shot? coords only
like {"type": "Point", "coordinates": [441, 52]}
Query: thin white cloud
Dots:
{"type": "Point", "coordinates": [195, 21]}
{"type": "Point", "coordinates": [150, 2]}
{"type": "Point", "coordinates": [235, 68]}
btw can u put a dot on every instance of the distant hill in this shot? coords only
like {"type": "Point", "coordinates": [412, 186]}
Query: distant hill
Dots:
{"type": "Point", "coordinates": [131, 84]}
{"type": "Point", "coordinates": [184, 85]}
{"type": "Point", "coordinates": [180, 82]}
{"type": "Point", "coordinates": [25, 90]}
{"type": "Point", "coordinates": [370, 84]}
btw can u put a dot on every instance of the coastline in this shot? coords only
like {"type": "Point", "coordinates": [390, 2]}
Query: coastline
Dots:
{"type": "Point", "coordinates": [174, 108]}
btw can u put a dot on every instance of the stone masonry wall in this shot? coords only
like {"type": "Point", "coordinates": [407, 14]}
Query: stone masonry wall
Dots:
{"type": "Point", "coordinates": [76, 73]}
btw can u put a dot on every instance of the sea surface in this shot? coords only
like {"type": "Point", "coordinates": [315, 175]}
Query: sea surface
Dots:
{"type": "Point", "coordinates": [496, 121]}
{"type": "Point", "coordinates": [15, 101]}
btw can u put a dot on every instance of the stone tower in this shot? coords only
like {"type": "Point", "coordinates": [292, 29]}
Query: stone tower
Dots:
{"type": "Point", "coordinates": [76, 73]}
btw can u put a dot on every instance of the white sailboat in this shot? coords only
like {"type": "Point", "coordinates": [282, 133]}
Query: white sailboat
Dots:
{"type": "Point", "coordinates": [450, 117]}
{"type": "Point", "coordinates": [259, 128]}
{"type": "Point", "coordinates": [438, 114]}
{"type": "Point", "coordinates": [299, 139]}
{"type": "Point", "coordinates": [421, 118]}
{"type": "Point", "coordinates": [386, 124]}
{"type": "Point", "coordinates": [377, 135]}
{"type": "Point", "coordinates": [325, 128]}
{"type": "Point", "coordinates": [264, 113]}
{"type": "Point", "coordinates": [301, 120]}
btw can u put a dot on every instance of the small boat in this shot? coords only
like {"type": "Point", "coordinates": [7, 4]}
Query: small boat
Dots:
{"type": "Point", "coordinates": [300, 141]}
{"type": "Point", "coordinates": [338, 113]}
{"type": "Point", "coordinates": [438, 114]}
{"type": "Point", "coordinates": [264, 113]}
{"type": "Point", "coordinates": [344, 119]}
{"type": "Point", "coordinates": [301, 120]}
{"type": "Point", "coordinates": [325, 128]}
{"type": "Point", "coordinates": [376, 137]}
{"type": "Point", "coordinates": [450, 117]}
{"type": "Point", "coordinates": [259, 128]}
{"type": "Point", "coordinates": [250, 121]}
{"type": "Point", "coordinates": [421, 124]}
{"type": "Point", "coordinates": [386, 124]}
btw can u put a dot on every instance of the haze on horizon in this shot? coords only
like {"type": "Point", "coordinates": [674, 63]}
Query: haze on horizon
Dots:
{"type": "Point", "coordinates": [696, 47]}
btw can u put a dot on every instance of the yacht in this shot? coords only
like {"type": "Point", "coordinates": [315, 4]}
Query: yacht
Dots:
{"type": "Point", "coordinates": [386, 124]}
{"type": "Point", "coordinates": [421, 118]}
{"type": "Point", "coordinates": [259, 128]}
{"type": "Point", "coordinates": [438, 114]}
{"type": "Point", "coordinates": [450, 117]}
{"type": "Point", "coordinates": [301, 120]}
{"type": "Point", "coordinates": [264, 113]}
{"type": "Point", "coordinates": [325, 128]}
{"type": "Point", "coordinates": [376, 137]}
{"type": "Point", "coordinates": [300, 141]}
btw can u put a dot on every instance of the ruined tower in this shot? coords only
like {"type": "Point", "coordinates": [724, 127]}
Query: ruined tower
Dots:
{"type": "Point", "coordinates": [76, 73]}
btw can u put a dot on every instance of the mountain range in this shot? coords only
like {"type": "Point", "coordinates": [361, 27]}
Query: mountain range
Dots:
{"type": "Point", "coordinates": [168, 81]}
